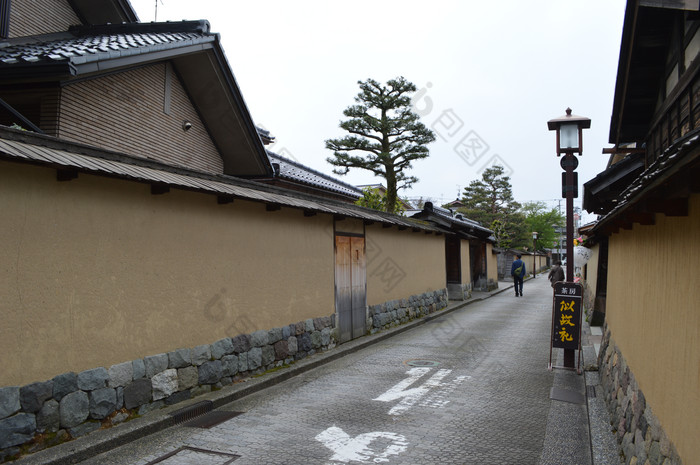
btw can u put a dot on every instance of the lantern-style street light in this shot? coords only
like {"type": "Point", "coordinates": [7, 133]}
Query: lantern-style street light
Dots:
{"type": "Point", "coordinates": [569, 129]}
{"type": "Point", "coordinates": [534, 251]}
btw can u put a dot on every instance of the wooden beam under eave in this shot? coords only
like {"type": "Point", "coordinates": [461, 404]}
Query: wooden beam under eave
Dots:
{"type": "Point", "coordinates": [338, 217]}
{"type": "Point", "coordinates": [368, 222]}
{"type": "Point", "coordinates": [159, 189]}
{"type": "Point", "coordinates": [309, 213]}
{"type": "Point", "coordinates": [403, 228]}
{"type": "Point", "coordinates": [415, 229]}
{"type": "Point", "coordinates": [66, 175]}
{"type": "Point", "coordinates": [386, 225]}
{"type": "Point", "coordinates": [643, 218]}
{"type": "Point", "coordinates": [224, 199]}
{"type": "Point", "coordinates": [669, 207]}
{"type": "Point", "coordinates": [272, 207]}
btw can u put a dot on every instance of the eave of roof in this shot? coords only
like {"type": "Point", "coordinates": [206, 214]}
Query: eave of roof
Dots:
{"type": "Point", "coordinates": [296, 172]}
{"type": "Point", "coordinates": [606, 186]}
{"type": "Point", "coordinates": [646, 35]}
{"type": "Point", "coordinates": [664, 187]}
{"type": "Point", "coordinates": [27, 147]}
{"type": "Point", "coordinates": [196, 53]}
{"type": "Point", "coordinates": [456, 223]}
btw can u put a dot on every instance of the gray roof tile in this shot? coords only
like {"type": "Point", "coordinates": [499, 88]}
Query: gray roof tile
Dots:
{"type": "Point", "coordinates": [95, 43]}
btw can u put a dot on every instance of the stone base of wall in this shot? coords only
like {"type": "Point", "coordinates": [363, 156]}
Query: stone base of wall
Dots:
{"type": "Point", "coordinates": [397, 312]}
{"type": "Point", "coordinates": [70, 405]}
{"type": "Point", "coordinates": [459, 291]}
{"type": "Point", "coordinates": [485, 285]}
{"type": "Point", "coordinates": [643, 440]}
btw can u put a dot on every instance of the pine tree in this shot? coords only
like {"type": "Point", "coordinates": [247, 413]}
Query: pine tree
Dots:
{"type": "Point", "coordinates": [490, 202]}
{"type": "Point", "coordinates": [389, 134]}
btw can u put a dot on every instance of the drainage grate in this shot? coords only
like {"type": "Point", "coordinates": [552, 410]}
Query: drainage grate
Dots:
{"type": "Point", "coordinates": [192, 411]}
{"type": "Point", "coordinates": [566, 396]}
{"type": "Point", "coordinates": [211, 419]}
{"type": "Point", "coordinates": [590, 391]}
{"type": "Point", "coordinates": [195, 455]}
{"type": "Point", "coordinates": [422, 363]}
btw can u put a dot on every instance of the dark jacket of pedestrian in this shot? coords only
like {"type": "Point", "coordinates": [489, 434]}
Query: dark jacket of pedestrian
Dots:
{"type": "Point", "coordinates": [556, 274]}
{"type": "Point", "coordinates": [517, 264]}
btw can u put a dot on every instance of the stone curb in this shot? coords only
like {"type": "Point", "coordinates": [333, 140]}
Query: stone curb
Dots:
{"type": "Point", "coordinates": [97, 443]}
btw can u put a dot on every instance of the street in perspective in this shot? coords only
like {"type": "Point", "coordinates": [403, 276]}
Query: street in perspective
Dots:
{"type": "Point", "coordinates": [349, 232]}
{"type": "Point", "coordinates": [468, 387]}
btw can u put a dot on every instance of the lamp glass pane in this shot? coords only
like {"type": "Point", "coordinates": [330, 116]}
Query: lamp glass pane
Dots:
{"type": "Point", "coordinates": [568, 136]}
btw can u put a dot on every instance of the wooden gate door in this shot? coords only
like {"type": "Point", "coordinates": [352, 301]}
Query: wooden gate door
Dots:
{"type": "Point", "coordinates": [453, 260]}
{"type": "Point", "coordinates": [350, 286]}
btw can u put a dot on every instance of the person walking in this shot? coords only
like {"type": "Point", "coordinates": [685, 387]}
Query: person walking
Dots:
{"type": "Point", "coordinates": [517, 271]}
{"type": "Point", "coordinates": [556, 274]}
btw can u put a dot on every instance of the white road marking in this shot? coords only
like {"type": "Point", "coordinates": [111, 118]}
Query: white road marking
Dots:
{"type": "Point", "coordinates": [346, 449]}
{"type": "Point", "coordinates": [409, 397]}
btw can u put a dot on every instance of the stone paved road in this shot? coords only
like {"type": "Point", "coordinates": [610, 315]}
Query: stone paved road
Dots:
{"type": "Point", "coordinates": [484, 400]}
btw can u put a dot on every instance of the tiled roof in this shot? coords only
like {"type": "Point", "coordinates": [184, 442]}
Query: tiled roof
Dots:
{"type": "Point", "coordinates": [454, 221]}
{"type": "Point", "coordinates": [294, 171]}
{"type": "Point", "coordinates": [86, 44]}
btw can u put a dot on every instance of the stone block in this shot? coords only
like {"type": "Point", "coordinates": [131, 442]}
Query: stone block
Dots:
{"type": "Point", "coordinates": [102, 402]}
{"type": "Point", "coordinates": [201, 354]}
{"type": "Point", "coordinates": [120, 374]}
{"type": "Point", "coordinates": [48, 419]}
{"type": "Point", "coordinates": [243, 362]}
{"type": "Point", "coordinates": [274, 335]}
{"type": "Point", "coordinates": [254, 358]}
{"type": "Point", "coordinates": [164, 383]}
{"type": "Point", "coordinates": [229, 365]}
{"type": "Point", "coordinates": [287, 331]}
{"type": "Point", "coordinates": [74, 409]}
{"type": "Point", "coordinates": [281, 350]}
{"type": "Point", "coordinates": [292, 345]}
{"type": "Point", "coordinates": [259, 338]}
{"type": "Point", "coordinates": [153, 406]}
{"type": "Point", "coordinates": [178, 397]}
{"type": "Point", "coordinates": [64, 384]}
{"type": "Point", "coordinates": [318, 324]}
{"type": "Point", "coordinates": [179, 358]}
{"type": "Point", "coordinates": [241, 343]}
{"type": "Point", "coordinates": [139, 369]}
{"type": "Point", "coordinates": [304, 342]}
{"type": "Point", "coordinates": [187, 377]}
{"type": "Point", "coordinates": [137, 393]}
{"type": "Point", "coordinates": [316, 339]}
{"type": "Point", "coordinates": [120, 397]}
{"type": "Point", "coordinates": [325, 336]}
{"type": "Point", "coordinates": [32, 396]}
{"type": "Point", "coordinates": [221, 347]}
{"type": "Point", "coordinates": [17, 429]}
{"type": "Point", "coordinates": [309, 325]}
{"type": "Point", "coordinates": [210, 372]}
{"type": "Point", "coordinates": [9, 401]}
{"type": "Point", "coordinates": [268, 355]}
{"type": "Point", "coordinates": [89, 380]}
{"type": "Point", "coordinates": [155, 364]}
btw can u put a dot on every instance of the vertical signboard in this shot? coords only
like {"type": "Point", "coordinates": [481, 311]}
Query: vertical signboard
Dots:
{"type": "Point", "coordinates": [566, 317]}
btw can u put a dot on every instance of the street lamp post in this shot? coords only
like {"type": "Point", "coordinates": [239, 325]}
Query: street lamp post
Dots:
{"type": "Point", "coordinates": [534, 251]}
{"type": "Point", "coordinates": [569, 130]}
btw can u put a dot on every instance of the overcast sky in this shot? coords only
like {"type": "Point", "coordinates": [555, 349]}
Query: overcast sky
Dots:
{"type": "Point", "coordinates": [490, 75]}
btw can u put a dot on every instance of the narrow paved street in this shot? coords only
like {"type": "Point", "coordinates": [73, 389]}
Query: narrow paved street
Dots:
{"type": "Point", "coordinates": [471, 387]}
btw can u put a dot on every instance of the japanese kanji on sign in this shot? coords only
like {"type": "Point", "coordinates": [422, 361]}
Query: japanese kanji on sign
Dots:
{"type": "Point", "coordinates": [566, 317]}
